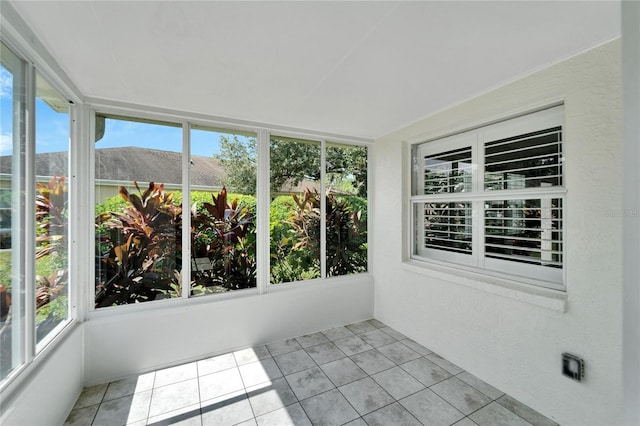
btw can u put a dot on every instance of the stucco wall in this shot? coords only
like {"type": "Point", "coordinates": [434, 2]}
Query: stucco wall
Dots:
{"type": "Point", "coordinates": [51, 389]}
{"type": "Point", "coordinates": [509, 337]}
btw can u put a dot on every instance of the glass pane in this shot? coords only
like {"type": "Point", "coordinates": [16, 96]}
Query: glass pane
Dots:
{"type": "Point", "coordinates": [295, 209]}
{"type": "Point", "coordinates": [223, 211]}
{"type": "Point", "coordinates": [527, 231]}
{"type": "Point", "coordinates": [52, 209]}
{"type": "Point", "coordinates": [346, 185]}
{"type": "Point", "coordinates": [526, 161]}
{"type": "Point", "coordinates": [11, 211]}
{"type": "Point", "coordinates": [138, 211]}
{"type": "Point", "coordinates": [445, 226]}
{"type": "Point", "coordinates": [448, 172]}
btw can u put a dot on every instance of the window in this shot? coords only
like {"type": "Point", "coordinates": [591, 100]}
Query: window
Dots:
{"type": "Point", "coordinates": [12, 315]}
{"type": "Point", "coordinates": [138, 169]}
{"type": "Point", "coordinates": [492, 199]}
{"type": "Point", "coordinates": [223, 169]}
{"type": "Point", "coordinates": [311, 235]}
{"type": "Point", "coordinates": [142, 226]}
{"type": "Point", "coordinates": [34, 213]}
{"type": "Point", "coordinates": [51, 209]}
{"type": "Point", "coordinates": [295, 212]}
{"type": "Point", "coordinates": [346, 216]}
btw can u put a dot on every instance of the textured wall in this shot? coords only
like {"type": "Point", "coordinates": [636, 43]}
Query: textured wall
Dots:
{"type": "Point", "coordinates": [52, 388]}
{"type": "Point", "coordinates": [513, 337]}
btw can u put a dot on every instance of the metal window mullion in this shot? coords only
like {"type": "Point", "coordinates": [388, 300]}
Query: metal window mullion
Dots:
{"type": "Point", "coordinates": [90, 225]}
{"type": "Point", "coordinates": [263, 201]}
{"type": "Point", "coordinates": [323, 210]}
{"type": "Point", "coordinates": [29, 215]}
{"type": "Point", "coordinates": [186, 210]}
{"type": "Point", "coordinates": [76, 222]}
{"type": "Point", "coordinates": [478, 224]}
{"type": "Point", "coordinates": [18, 184]}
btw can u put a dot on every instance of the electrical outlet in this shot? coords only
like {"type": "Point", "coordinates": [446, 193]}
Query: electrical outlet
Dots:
{"type": "Point", "coordinates": [572, 366]}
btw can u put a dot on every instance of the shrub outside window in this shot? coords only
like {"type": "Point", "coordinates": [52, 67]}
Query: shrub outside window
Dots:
{"type": "Point", "coordinates": [492, 199]}
{"type": "Point", "coordinates": [143, 225]}
{"type": "Point", "coordinates": [309, 230]}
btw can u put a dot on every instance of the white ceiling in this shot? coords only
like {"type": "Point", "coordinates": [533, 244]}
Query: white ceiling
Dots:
{"type": "Point", "coordinates": [354, 68]}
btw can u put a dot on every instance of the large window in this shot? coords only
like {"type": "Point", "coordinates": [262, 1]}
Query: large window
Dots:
{"type": "Point", "coordinates": [493, 198]}
{"type": "Point", "coordinates": [318, 228]}
{"type": "Point", "coordinates": [223, 169]}
{"type": "Point", "coordinates": [141, 212]}
{"type": "Point", "coordinates": [34, 212]}
{"type": "Point", "coordinates": [138, 179]}
{"type": "Point", "coordinates": [295, 212]}
{"type": "Point", "coordinates": [12, 320]}
{"type": "Point", "coordinates": [317, 210]}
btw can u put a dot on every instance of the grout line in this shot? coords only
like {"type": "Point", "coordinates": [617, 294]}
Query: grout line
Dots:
{"type": "Point", "coordinates": [318, 365]}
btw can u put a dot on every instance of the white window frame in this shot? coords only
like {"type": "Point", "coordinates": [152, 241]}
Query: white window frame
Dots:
{"type": "Point", "coordinates": [24, 317]}
{"type": "Point", "coordinates": [539, 275]}
{"type": "Point", "coordinates": [263, 135]}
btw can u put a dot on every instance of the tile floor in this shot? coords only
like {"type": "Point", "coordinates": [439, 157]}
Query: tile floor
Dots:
{"type": "Point", "coordinates": [361, 374]}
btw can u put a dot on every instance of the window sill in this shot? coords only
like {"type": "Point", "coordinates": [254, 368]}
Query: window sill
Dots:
{"type": "Point", "coordinates": [554, 300]}
{"type": "Point", "coordinates": [119, 311]}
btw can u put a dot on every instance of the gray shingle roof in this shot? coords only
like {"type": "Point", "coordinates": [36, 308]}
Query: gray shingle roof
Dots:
{"type": "Point", "coordinates": [152, 165]}
{"type": "Point", "coordinates": [132, 163]}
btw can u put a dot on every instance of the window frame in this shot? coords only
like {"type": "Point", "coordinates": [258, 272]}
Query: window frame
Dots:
{"type": "Point", "coordinates": [477, 262]}
{"type": "Point", "coordinates": [263, 135]}
{"type": "Point", "coordinates": [34, 351]}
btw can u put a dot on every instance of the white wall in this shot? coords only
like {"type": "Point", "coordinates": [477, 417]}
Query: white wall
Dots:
{"type": "Point", "coordinates": [51, 390]}
{"type": "Point", "coordinates": [631, 240]}
{"type": "Point", "coordinates": [125, 344]}
{"type": "Point", "coordinates": [514, 339]}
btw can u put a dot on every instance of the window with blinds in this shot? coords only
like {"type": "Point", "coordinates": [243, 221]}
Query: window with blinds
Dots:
{"type": "Point", "coordinates": [493, 199]}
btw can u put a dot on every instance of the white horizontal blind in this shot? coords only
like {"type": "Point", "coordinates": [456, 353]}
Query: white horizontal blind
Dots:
{"type": "Point", "coordinates": [525, 161]}
{"type": "Point", "coordinates": [448, 226]}
{"type": "Point", "coordinates": [524, 230]}
{"type": "Point", "coordinates": [448, 172]}
{"type": "Point", "coordinates": [503, 184]}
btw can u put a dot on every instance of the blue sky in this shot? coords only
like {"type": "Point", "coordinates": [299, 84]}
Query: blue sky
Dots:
{"type": "Point", "coordinates": [119, 133]}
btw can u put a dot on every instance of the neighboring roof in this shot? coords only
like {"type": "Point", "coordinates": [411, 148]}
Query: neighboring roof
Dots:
{"type": "Point", "coordinates": [153, 165]}
{"type": "Point", "coordinates": [132, 163]}
{"type": "Point", "coordinates": [47, 164]}
{"type": "Point", "coordinates": [145, 165]}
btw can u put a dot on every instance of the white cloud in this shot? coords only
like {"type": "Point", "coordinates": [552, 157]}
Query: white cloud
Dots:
{"type": "Point", "coordinates": [6, 144]}
{"type": "Point", "coordinates": [6, 84]}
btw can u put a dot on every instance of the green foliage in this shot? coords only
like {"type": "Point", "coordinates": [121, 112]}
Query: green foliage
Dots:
{"type": "Point", "coordinates": [57, 308]}
{"type": "Point", "coordinates": [139, 255]}
{"type": "Point", "coordinates": [110, 204]}
{"type": "Point", "coordinates": [347, 169]}
{"type": "Point", "coordinates": [292, 161]}
{"type": "Point", "coordinates": [238, 159]}
{"type": "Point", "coordinates": [52, 275]}
{"type": "Point", "coordinates": [139, 244]}
{"type": "Point", "coordinates": [225, 233]}
{"type": "Point", "coordinates": [295, 241]}
{"type": "Point", "coordinates": [346, 238]}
